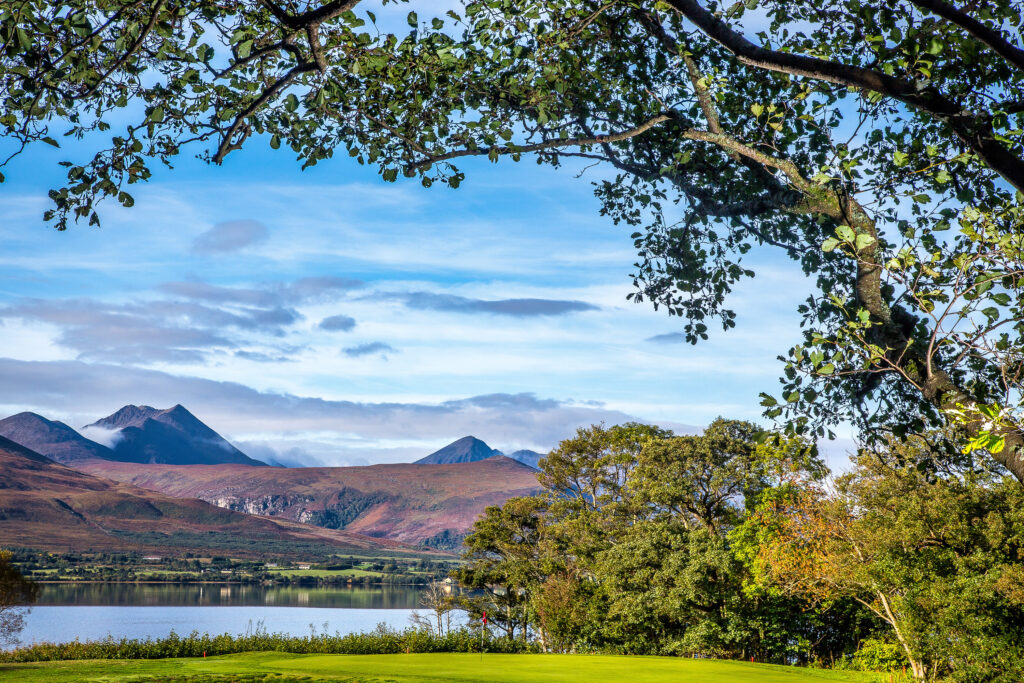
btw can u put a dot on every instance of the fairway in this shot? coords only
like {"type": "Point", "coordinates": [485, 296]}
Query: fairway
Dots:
{"type": "Point", "coordinates": [286, 668]}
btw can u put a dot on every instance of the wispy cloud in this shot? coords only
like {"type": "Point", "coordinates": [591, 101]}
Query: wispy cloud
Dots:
{"type": "Point", "coordinates": [338, 323]}
{"type": "Point", "coordinates": [230, 236]}
{"type": "Point", "coordinates": [519, 308]}
{"type": "Point", "coordinates": [668, 338]}
{"type": "Point", "coordinates": [369, 349]}
{"type": "Point", "coordinates": [303, 290]}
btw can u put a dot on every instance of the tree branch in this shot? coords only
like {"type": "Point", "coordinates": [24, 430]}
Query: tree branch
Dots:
{"type": "Point", "coordinates": [988, 36]}
{"type": "Point", "coordinates": [541, 146]}
{"type": "Point", "coordinates": [130, 51]}
{"type": "Point", "coordinates": [973, 130]}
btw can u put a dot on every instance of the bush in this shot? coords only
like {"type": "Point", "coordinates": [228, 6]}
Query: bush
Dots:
{"type": "Point", "coordinates": [877, 654]}
{"type": "Point", "coordinates": [382, 640]}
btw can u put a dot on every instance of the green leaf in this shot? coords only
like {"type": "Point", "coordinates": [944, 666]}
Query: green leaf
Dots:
{"type": "Point", "coordinates": [830, 244]}
{"type": "Point", "coordinates": [863, 241]}
{"type": "Point", "coordinates": [244, 49]}
{"type": "Point", "coordinates": [826, 369]}
{"type": "Point", "coordinates": [412, 19]}
{"type": "Point", "coordinates": [846, 233]}
{"type": "Point", "coordinates": [291, 103]}
{"type": "Point", "coordinates": [275, 142]}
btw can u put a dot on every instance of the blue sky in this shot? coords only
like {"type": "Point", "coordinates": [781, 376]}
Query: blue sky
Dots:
{"type": "Point", "coordinates": [328, 317]}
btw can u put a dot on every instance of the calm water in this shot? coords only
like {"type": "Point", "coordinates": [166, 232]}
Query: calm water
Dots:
{"type": "Point", "coordinates": [93, 611]}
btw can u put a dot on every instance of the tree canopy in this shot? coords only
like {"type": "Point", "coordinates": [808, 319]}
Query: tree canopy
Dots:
{"type": "Point", "coordinates": [876, 144]}
{"type": "Point", "coordinates": [737, 543]}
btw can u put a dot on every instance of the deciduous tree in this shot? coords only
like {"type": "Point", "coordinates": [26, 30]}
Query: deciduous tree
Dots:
{"type": "Point", "coordinates": [876, 144]}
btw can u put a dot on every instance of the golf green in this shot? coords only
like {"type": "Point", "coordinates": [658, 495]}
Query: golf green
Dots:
{"type": "Point", "coordinates": [287, 668]}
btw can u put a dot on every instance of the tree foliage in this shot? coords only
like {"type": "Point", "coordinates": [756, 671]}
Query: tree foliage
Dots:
{"type": "Point", "coordinates": [629, 550]}
{"type": "Point", "coordinates": [876, 144]}
{"type": "Point", "coordinates": [936, 555]}
{"type": "Point", "coordinates": [16, 595]}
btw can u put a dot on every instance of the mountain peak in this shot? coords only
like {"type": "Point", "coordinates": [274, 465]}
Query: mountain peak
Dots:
{"type": "Point", "coordinates": [171, 436]}
{"type": "Point", "coordinates": [527, 457]}
{"type": "Point", "coordinates": [55, 440]}
{"type": "Point", "coordinates": [466, 449]}
{"type": "Point", "coordinates": [128, 416]}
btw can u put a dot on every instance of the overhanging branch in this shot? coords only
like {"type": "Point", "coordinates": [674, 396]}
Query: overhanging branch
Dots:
{"type": "Point", "coordinates": [975, 131]}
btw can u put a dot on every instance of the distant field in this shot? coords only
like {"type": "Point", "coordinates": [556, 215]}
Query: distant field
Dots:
{"type": "Point", "coordinates": [273, 667]}
{"type": "Point", "coordinates": [327, 573]}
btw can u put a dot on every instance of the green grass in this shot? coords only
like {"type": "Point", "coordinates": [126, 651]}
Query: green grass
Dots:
{"type": "Point", "coordinates": [276, 667]}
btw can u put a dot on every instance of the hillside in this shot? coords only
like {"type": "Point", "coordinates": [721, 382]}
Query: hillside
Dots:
{"type": "Point", "coordinates": [55, 440]}
{"type": "Point", "coordinates": [47, 506]}
{"type": "Point", "coordinates": [417, 504]}
{"type": "Point", "coordinates": [173, 436]}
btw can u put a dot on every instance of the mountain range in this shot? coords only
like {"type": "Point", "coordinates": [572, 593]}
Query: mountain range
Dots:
{"type": "Point", "coordinates": [138, 434]}
{"type": "Point", "coordinates": [431, 505]}
{"type": "Point", "coordinates": [48, 506]}
{"type": "Point", "coordinates": [432, 502]}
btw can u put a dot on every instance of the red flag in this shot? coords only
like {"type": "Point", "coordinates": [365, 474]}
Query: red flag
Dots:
{"type": "Point", "coordinates": [485, 618]}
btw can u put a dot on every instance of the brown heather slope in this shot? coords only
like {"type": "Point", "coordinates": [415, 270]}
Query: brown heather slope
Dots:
{"type": "Point", "coordinates": [417, 504]}
{"type": "Point", "coordinates": [47, 506]}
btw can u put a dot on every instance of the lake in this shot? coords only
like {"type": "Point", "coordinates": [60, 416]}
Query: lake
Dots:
{"type": "Point", "coordinates": [91, 611]}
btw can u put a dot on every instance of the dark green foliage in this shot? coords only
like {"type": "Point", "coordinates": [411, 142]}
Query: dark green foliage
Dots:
{"type": "Point", "coordinates": [449, 539]}
{"type": "Point", "coordinates": [629, 550]}
{"type": "Point", "coordinates": [350, 504]}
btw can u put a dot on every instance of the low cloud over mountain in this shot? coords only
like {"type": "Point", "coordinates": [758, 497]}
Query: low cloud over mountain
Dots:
{"type": "Point", "coordinates": [325, 428]}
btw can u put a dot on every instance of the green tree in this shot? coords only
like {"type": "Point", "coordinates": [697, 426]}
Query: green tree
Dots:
{"type": "Point", "coordinates": [16, 595]}
{"type": "Point", "coordinates": [630, 548]}
{"type": "Point", "coordinates": [877, 144]}
{"type": "Point", "coordinates": [935, 554]}
{"type": "Point", "coordinates": [503, 563]}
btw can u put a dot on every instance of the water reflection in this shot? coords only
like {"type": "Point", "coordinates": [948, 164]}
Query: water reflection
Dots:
{"type": "Point", "coordinates": [228, 595]}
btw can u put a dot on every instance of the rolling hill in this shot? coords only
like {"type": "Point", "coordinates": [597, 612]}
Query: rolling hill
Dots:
{"type": "Point", "coordinates": [173, 436]}
{"type": "Point", "coordinates": [55, 440]}
{"type": "Point", "coordinates": [48, 506]}
{"type": "Point", "coordinates": [432, 505]}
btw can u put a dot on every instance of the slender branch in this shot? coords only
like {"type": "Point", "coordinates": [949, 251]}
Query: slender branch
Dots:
{"type": "Point", "coordinates": [131, 49]}
{"type": "Point", "coordinates": [541, 146]}
{"type": "Point", "coordinates": [226, 146]}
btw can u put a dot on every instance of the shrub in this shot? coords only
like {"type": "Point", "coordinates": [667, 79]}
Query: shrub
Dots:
{"type": "Point", "coordinates": [382, 640]}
